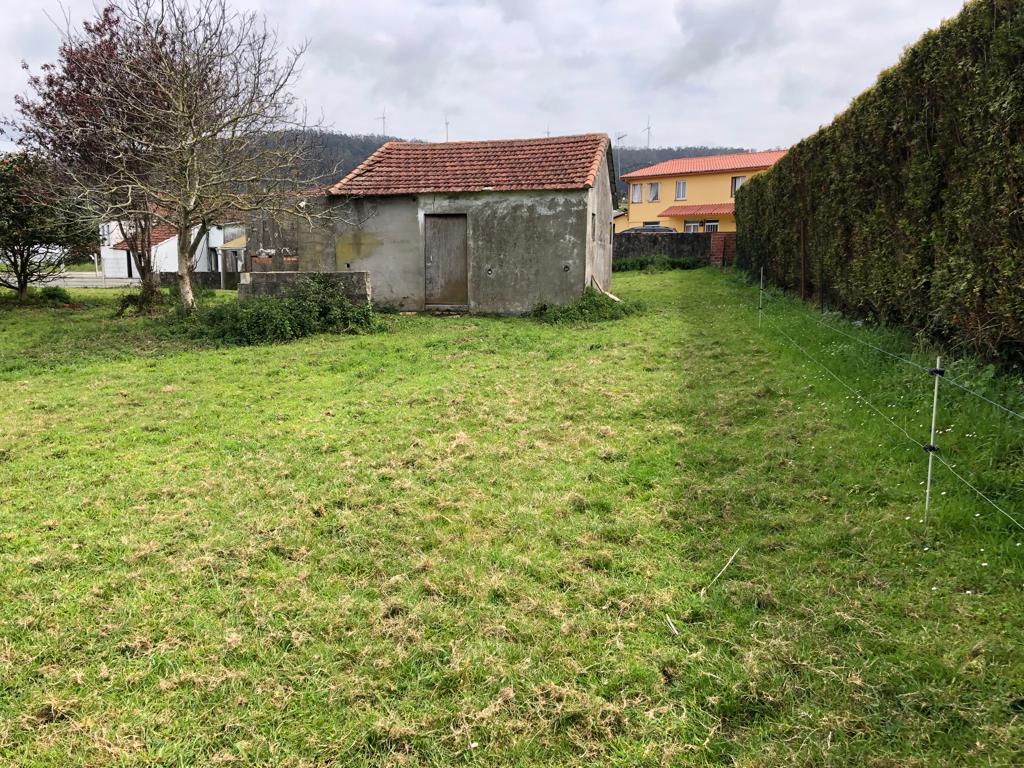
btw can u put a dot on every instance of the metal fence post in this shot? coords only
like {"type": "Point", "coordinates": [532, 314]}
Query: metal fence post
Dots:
{"type": "Point", "coordinates": [937, 373]}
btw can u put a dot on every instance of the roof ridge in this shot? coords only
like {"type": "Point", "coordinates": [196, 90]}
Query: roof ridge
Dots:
{"type": "Point", "coordinates": [406, 167]}
{"type": "Point", "coordinates": [702, 164]}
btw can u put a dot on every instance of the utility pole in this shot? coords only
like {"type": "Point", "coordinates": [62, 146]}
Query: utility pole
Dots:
{"type": "Point", "coordinates": [647, 130]}
{"type": "Point", "coordinates": [548, 131]}
{"type": "Point", "coordinates": [446, 128]}
{"type": "Point", "coordinates": [384, 122]}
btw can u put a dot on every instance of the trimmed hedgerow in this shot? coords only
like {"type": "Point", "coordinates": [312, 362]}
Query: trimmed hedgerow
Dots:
{"type": "Point", "coordinates": [909, 208]}
{"type": "Point", "coordinates": [657, 263]}
{"type": "Point", "coordinates": [315, 305]}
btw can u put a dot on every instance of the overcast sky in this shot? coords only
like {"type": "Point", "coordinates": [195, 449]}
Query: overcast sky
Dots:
{"type": "Point", "coordinates": [751, 73]}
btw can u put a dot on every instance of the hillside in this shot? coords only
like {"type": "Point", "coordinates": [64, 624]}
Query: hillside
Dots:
{"type": "Point", "coordinates": [341, 153]}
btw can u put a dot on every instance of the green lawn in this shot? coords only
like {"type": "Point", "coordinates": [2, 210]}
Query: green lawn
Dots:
{"type": "Point", "coordinates": [457, 543]}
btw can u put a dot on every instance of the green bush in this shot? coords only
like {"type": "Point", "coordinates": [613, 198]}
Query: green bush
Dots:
{"type": "Point", "coordinates": [316, 305]}
{"type": "Point", "coordinates": [54, 294]}
{"type": "Point", "coordinates": [909, 208]}
{"type": "Point", "coordinates": [592, 307]}
{"type": "Point", "coordinates": [657, 263]}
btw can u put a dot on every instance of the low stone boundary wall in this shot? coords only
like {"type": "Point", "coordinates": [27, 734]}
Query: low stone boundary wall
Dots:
{"type": "Point", "coordinates": [356, 285]}
{"type": "Point", "coordinates": [203, 280]}
{"type": "Point", "coordinates": [677, 245]}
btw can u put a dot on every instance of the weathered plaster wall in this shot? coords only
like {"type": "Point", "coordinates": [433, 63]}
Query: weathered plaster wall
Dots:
{"type": "Point", "coordinates": [601, 241]}
{"type": "Point", "coordinates": [524, 248]}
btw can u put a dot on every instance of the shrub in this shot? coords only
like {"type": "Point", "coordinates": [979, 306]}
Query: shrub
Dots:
{"type": "Point", "coordinates": [54, 294]}
{"type": "Point", "coordinates": [657, 263]}
{"type": "Point", "coordinates": [316, 305]}
{"type": "Point", "coordinates": [908, 208]}
{"type": "Point", "coordinates": [592, 307]}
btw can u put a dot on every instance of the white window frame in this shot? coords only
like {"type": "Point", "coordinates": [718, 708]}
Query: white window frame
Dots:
{"type": "Point", "coordinates": [654, 192]}
{"type": "Point", "coordinates": [681, 185]}
{"type": "Point", "coordinates": [737, 182]}
{"type": "Point", "coordinates": [712, 226]}
{"type": "Point", "coordinates": [691, 227]}
{"type": "Point", "coordinates": [636, 193]}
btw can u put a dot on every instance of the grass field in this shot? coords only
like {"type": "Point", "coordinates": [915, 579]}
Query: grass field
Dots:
{"type": "Point", "coordinates": [476, 541]}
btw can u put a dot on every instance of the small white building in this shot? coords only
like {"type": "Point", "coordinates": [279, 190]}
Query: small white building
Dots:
{"type": "Point", "coordinates": [118, 260]}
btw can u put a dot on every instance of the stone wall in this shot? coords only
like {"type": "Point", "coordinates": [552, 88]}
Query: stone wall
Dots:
{"type": "Point", "coordinates": [356, 285]}
{"type": "Point", "coordinates": [203, 280]}
{"type": "Point", "coordinates": [677, 245]}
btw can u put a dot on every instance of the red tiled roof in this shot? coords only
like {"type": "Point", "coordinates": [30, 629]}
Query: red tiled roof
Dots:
{"type": "Point", "coordinates": [699, 211]}
{"type": "Point", "coordinates": [744, 161]}
{"type": "Point", "coordinates": [161, 234]}
{"type": "Point", "coordinates": [405, 168]}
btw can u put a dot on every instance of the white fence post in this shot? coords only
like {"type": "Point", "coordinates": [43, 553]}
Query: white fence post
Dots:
{"type": "Point", "coordinates": [760, 300]}
{"type": "Point", "coordinates": [937, 373]}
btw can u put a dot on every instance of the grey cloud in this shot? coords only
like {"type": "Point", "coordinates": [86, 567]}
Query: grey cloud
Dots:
{"type": "Point", "coordinates": [716, 34]}
{"type": "Point", "coordinates": [754, 73]}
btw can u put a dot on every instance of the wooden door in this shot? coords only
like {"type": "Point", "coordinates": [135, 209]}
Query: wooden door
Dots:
{"type": "Point", "coordinates": [445, 254]}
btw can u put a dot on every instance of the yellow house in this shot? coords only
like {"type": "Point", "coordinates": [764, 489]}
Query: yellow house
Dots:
{"type": "Point", "coordinates": [691, 194]}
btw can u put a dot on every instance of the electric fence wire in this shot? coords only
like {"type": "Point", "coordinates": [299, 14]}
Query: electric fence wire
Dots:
{"type": "Point", "coordinates": [889, 419]}
{"type": "Point", "coordinates": [918, 366]}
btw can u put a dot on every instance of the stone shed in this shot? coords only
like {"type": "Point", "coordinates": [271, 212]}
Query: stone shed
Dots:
{"type": "Point", "coordinates": [488, 226]}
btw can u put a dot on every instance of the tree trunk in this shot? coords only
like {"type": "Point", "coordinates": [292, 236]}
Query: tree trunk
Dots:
{"type": "Point", "coordinates": [151, 281]}
{"type": "Point", "coordinates": [22, 292]}
{"type": "Point", "coordinates": [188, 299]}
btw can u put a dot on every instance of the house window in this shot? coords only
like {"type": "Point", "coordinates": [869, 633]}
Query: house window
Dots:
{"type": "Point", "coordinates": [710, 226]}
{"type": "Point", "coordinates": [680, 190]}
{"type": "Point", "coordinates": [691, 227]}
{"type": "Point", "coordinates": [637, 193]}
{"type": "Point", "coordinates": [653, 192]}
{"type": "Point", "coordinates": [652, 223]}
{"type": "Point", "coordinates": [737, 182]}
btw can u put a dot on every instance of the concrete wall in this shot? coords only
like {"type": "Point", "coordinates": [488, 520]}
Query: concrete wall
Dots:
{"type": "Point", "coordinates": [355, 285]}
{"type": "Point", "coordinates": [634, 245]}
{"type": "Point", "coordinates": [601, 240]}
{"type": "Point", "coordinates": [203, 280]}
{"type": "Point", "coordinates": [525, 248]}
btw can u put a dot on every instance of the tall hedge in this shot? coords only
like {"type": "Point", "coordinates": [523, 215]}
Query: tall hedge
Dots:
{"type": "Point", "coordinates": [909, 208]}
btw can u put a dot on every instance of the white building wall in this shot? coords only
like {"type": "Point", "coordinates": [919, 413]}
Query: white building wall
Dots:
{"type": "Point", "coordinates": [115, 262]}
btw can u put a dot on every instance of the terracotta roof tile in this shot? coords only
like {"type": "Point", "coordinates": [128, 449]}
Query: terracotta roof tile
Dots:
{"type": "Point", "coordinates": [715, 209]}
{"type": "Point", "coordinates": [406, 168]}
{"type": "Point", "coordinates": [683, 166]}
{"type": "Point", "coordinates": [161, 233]}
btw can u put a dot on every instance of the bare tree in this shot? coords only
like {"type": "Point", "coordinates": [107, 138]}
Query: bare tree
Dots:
{"type": "Point", "coordinates": [194, 117]}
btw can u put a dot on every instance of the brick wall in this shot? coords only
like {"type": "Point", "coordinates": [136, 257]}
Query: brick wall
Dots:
{"type": "Point", "coordinates": [723, 249]}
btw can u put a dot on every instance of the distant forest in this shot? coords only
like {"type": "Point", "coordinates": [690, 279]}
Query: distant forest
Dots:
{"type": "Point", "coordinates": [341, 153]}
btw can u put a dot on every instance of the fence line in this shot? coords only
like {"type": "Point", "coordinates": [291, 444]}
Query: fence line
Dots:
{"type": "Point", "coordinates": [901, 359]}
{"type": "Point", "coordinates": [860, 397]}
